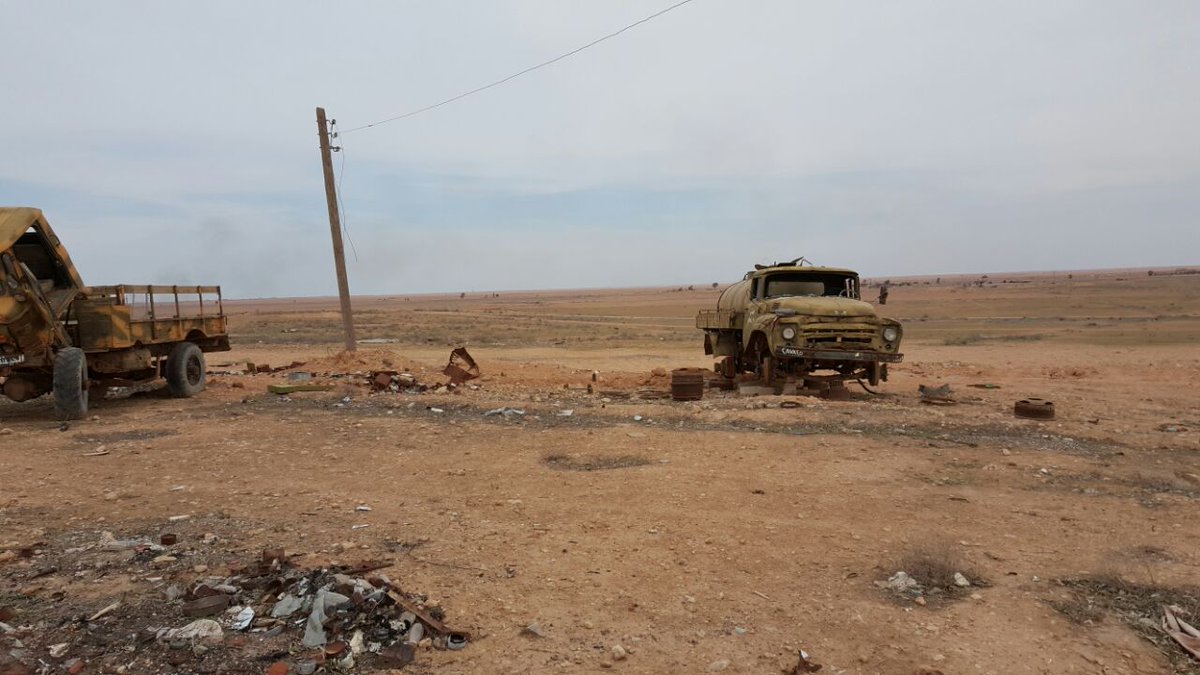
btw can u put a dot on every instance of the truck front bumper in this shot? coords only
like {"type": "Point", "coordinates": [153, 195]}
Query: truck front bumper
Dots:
{"type": "Point", "coordinates": [866, 356]}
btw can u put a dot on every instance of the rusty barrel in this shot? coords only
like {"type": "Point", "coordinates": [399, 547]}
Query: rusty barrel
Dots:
{"type": "Point", "coordinates": [687, 384]}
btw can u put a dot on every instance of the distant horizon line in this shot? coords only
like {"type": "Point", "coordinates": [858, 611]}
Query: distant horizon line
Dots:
{"type": "Point", "coordinates": [708, 285]}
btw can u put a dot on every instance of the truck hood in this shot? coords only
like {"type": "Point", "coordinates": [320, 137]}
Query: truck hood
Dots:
{"type": "Point", "coordinates": [820, 306]}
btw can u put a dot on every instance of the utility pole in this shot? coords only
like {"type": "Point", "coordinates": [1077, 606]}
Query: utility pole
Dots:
{"type": "Point", "coordinates": [335, 229]}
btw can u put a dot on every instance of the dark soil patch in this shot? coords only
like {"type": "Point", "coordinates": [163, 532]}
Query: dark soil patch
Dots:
{"type": "Point", "coordinates": [593, 463]}
{"type": "Point", "coordinates": [121, 436]}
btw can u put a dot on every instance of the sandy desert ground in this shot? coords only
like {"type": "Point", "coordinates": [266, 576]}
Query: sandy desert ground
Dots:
{"type": "Point", "coordinates": [720, 535]}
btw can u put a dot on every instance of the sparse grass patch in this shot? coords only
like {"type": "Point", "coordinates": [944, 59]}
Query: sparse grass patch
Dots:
{"type": "Point", "coordinates": [933, 565]}
{"type": "Point", "coordinates": [1138, 606]}
{"type": "Point", "coordinates": [564, 462]}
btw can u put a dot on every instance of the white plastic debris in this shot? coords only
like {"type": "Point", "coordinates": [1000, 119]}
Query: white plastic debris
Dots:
{"type": "Point", "coordinates": [243, 619]}
{"type": "Point", "coordinates": [960, 580]}
{"type": "Point", "coordinates": [200, 630]}
{"type": "Point", "coordinates": [287, 606]}
{"type": "Point", "coordinates": [506, 412]}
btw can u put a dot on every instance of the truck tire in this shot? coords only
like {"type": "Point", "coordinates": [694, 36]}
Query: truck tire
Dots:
{"type": "Point", "coordinates": [185, 370]}
{"type": "Point", "coordinates": [70, 383]}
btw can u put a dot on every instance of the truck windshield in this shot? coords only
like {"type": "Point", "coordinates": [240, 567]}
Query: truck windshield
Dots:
{"type": "Point", "coordinates": [810, 285]}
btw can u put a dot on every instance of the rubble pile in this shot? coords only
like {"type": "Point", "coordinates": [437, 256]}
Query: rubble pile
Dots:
{"type": "Point", "coordinates": [267, 615]}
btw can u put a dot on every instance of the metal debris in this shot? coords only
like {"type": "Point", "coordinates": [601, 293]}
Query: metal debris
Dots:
{"type": "Point", "coordinates": [462, 366]}
{"type": "Point", "coordinates": [1187, 636]}
{"type": "Point", "coordinates": [1034, 409]}
{"type": "Point", "coordinates": [936, 395]}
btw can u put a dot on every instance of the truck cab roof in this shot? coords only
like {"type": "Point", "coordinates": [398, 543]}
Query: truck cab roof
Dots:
{"type": "Point", "coordinates": [16, 221]}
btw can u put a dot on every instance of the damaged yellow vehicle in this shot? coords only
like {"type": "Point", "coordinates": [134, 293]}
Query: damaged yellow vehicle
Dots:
{"type": "Point", "coordinates": [794, 320]}
{"type": "Point", "coordinates": [59, 336]}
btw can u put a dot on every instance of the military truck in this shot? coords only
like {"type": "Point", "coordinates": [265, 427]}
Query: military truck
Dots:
{"type": "Point", "coordinates": [58, 335]}
{"type": "Point", "coordinates": [795, 320]}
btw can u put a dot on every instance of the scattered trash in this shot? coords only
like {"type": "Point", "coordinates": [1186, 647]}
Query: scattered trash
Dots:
{"type": "Point", "coordinates": [362, 507]}
{"type": "Point", "coordinates": [985, 385]}
{"type": "Point", "coordinates": [200, 630]}
{"type": "Point", "coordinates": [534, 629]}
{"type": "Point", "coordinates": [936, 395]}
{"type": "Point", "coordinates": [638, 418]}
{"type": "Point", "coordinates": [110, 543]}
{"type": "Point", "coordinates": [436, 410]}
{"type": "Point", "coordinates": [104, 611]}
{"type": "Point", "coordinates": [506, 412]}
{"type": "Point", "coordinates": [1187, 636]}
{"type": "Point", "coordinates": [565, 413]}
{"type": "Point", "coordinates": [1034, 409]}
{"type": "Point", "coordinates": [462, 367]}
{"type": "Point", "coordinates": [207, 605]}
{"type": "Point", "coordinates": [98, 452]}
{"type": "Point", "coordinates": [960, 580]}
{"type": "Point", "coordinates": [805, 665]}
{"type": "Point", "coordinates": [395, 382]}
{"type": "Point", "coordinates": [59, 650]}
{"type": "Point", "coordinates": [168, 539]}
{"type": "Point", "coordinates": [243, 619]}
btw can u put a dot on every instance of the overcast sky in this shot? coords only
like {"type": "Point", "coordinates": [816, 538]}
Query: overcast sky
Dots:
{"type": "Point", "coordinates": [176, 142]}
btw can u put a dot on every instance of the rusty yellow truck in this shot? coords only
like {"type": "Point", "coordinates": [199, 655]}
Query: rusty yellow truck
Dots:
{"type": "Point", "coordinates": [795, 320]}
{"type": "Point", "coordinates": [59, 336]}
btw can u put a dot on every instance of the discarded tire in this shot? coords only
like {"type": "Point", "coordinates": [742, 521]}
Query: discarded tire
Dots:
{"type": "Point", "coordinates": [1034, 409]}
{"type": "Point", "coordinates": [687, 384]}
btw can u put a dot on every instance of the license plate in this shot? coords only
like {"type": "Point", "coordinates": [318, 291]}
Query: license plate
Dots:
{"type": "Point", "coordinates": [790, 351]}
{"type": "Point", "coordinates": [11, 360]}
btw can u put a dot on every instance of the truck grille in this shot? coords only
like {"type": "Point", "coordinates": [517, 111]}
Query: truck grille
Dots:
{"type": "Point", "coordinates": [825, 336]}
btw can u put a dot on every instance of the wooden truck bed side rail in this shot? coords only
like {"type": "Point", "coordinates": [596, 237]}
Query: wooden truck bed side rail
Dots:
{"type": "Point", "coordinates": [118, 317]}
{"type": "Point", "coordinates": [720, 319]}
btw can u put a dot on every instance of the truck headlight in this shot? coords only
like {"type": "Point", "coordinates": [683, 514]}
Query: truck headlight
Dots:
{"type": "Point", "coordinates": [789, 333]}
{"type": "Point", "coordinates": [890, 334]}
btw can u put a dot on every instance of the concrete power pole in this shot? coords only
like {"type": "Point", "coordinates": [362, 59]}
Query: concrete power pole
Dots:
{"type": "Point", "coordinates": [335, 229]}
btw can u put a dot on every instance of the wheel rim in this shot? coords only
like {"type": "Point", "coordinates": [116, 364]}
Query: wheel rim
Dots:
{"type": "Point", "coordinates": [194, 371]}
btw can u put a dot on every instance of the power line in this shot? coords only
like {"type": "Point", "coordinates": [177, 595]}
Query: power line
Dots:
{"type": "Point", "coordinates": [530, 69]}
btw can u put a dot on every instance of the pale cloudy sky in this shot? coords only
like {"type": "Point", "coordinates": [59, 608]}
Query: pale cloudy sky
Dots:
{"type": "Point", "coordinates": [175, 142]}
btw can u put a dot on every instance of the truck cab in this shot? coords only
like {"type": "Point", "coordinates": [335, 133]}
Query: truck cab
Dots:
{"type": "Point", "coordinates": [800, 321]}
{"type": "Point", "coordinates": [58, 335]}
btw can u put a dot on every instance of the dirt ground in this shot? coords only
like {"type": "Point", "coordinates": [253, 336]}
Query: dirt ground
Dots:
{"type": "Point", "coordinates": [719, 535]}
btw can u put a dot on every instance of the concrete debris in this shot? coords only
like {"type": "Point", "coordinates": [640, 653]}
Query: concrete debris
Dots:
{"type": "Point", "coordinates": [901, 582]}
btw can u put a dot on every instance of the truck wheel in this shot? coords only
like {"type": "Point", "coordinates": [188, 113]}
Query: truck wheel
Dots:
{"type": "Point", "coordinates": [185, 370]}
{"type": "Point", "coordinates": [70, 383]}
